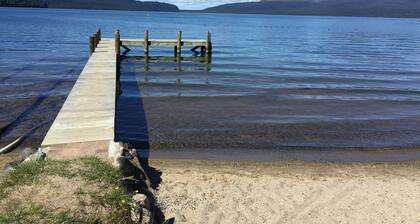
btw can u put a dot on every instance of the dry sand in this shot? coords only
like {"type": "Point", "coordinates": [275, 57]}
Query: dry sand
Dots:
{"type": "Point", "coordinates": [289, 192]}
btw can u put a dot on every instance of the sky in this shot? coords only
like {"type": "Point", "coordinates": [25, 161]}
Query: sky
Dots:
{"type": "Point", "coordinates": [200, 4]}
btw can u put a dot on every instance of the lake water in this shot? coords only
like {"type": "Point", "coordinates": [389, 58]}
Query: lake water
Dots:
{"type": "Point", "coordinates": [275, 83]}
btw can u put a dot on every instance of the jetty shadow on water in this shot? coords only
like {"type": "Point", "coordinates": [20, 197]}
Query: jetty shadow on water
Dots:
{"type": "Point", "coordinates": [131, 123]}
{"type": "Point", "coordinates": [131, 129]}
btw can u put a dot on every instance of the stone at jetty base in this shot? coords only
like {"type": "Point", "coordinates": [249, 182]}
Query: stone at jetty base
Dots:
{"type": "Point", "coordinates": [139, 213]}
{"type": "Point", "coordinates": [140, 199]}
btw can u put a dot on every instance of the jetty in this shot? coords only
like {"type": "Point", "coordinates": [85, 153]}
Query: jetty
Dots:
{"type": "Point", "coordinates": [85, 124]}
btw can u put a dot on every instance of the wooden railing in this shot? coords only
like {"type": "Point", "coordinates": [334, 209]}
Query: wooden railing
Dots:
{"type": "Point", "coordinates": [94, 41]}
{"type": "Point", "coordinates": [205, 45]}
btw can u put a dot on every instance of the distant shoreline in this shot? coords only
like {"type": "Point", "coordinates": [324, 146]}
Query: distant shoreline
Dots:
{"type": "Point", "coordinates": [351, 8]}
{"type": "Point", "coordinates": [128, 5]}
{"type": "Point", "coordinates": [207, 12]}
{"type": "Point", "coordinates": [311, 15]}
{"type": "Point", "coordinates": [17, 6]}
{"type": "Point", "coordinates": [24, 7]}
{"type": "Point", "coordinates": [28, 7]}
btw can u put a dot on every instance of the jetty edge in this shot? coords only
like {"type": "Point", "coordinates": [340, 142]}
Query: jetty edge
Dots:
{"type": "Point", "coordinates": [85, 125]}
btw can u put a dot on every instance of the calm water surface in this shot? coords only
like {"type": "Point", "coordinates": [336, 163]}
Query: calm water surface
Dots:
{"type": "Point", "coordinates": [274, 82]}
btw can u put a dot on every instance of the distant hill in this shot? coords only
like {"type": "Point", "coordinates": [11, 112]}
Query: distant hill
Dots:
{"type": "Point", "coordinates": [23, 3]}
{"type": "Point", "coordinates": [93, 4]}
{"type": "Point", "coordinates": [385, 8]}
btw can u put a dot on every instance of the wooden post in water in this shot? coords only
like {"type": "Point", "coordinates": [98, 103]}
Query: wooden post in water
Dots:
{"type": "Point", "coordinates": [91, 45]}
{"type": "Point", "coordinates": [178, 63]}
{"type": "Point", "coordinates": [208, 43]}
{"type": "Point", "coordinates": [208, 48]}
{"type": "Point", "coordinates": [146, 43]}
{"type": "Point", "coordinates": [179, 44]}
{"type": "Point", "coordinates": [146, 63]}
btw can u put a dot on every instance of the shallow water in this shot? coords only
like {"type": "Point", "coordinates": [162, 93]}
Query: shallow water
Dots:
{"type": "Point", "coordinates": [273, 82]}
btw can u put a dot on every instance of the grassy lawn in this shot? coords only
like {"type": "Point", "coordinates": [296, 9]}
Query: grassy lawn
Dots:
{"type": "Point", "coordinates": [86, 190]}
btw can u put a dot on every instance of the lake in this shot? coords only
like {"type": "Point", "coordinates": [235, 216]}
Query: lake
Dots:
{"type": "Point", "coordinates": [275, 83]}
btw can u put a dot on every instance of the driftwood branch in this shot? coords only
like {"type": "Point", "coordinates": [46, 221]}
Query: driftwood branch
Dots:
{"type": "Point", "coordinates": [10, 146]}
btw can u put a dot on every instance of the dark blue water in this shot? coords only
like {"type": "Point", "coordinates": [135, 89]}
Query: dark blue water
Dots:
{"type": "Point", "coordinates": [274, 81]}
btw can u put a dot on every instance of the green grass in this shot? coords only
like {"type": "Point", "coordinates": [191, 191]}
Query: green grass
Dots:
{"type": "Point", "coordinates": [100, 171]}
{"type": "Point", "coordinates": [112, 196]}
{"type": "Point", "coordinates": [37, 214]}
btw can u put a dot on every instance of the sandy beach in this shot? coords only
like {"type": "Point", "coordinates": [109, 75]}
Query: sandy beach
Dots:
{"type": "Point", "coordinates": [289, 192]}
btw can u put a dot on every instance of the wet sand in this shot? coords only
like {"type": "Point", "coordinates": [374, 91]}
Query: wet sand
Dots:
{"type": "Point", "coordinates": [289, 192]}
{"type": "Point", "coordinates": [27, 117]}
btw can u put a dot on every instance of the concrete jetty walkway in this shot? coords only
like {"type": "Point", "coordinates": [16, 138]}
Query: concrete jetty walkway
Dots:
{"type": "Point", "coordinates": [85, 123]}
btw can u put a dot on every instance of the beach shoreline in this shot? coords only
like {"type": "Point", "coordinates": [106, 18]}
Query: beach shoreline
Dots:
{"type": "Point", "coordinates": [291, 154]}
{"type": "Point", "coordinates": [196, 191]}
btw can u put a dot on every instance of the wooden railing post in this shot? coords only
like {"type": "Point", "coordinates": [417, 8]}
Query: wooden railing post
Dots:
{"type": "Point", "coordinates": [95, 39]}
{"type": "Point", "coordinates": [117, 50]}
{"type": "Point", "coordinates": [99, 34]}
{"type": "Point", "coordinates": [117, 43]}
{"type": "Point", "coordinates": [91, 45]}
{"type": "Point", "coordinates": [179, 43]}
{"type": "Point", "coordinates": [146, 42]}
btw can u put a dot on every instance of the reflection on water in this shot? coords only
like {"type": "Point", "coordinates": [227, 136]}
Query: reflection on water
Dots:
{"type": "Point", "coordinates": [177, 63]}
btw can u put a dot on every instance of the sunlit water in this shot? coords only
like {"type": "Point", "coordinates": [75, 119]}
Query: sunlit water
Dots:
{"type": "Point", "coordinates": [274, 81]}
